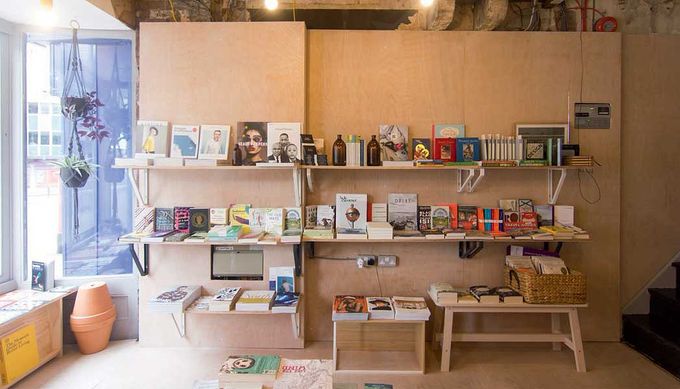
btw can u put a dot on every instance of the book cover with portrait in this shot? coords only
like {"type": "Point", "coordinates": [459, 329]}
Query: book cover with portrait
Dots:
{"type": "Point", "coordinates": [152, 139]}
{"type": "Point", "coordinates": [214, 142]}
{"type": "Point", "coordinates": [283, 143]}
{"type": "Point", "coordinates": [252, 140]}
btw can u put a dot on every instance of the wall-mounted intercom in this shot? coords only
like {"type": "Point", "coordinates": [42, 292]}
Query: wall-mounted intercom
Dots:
{"type": "Point", "coordinates": [592, 115]}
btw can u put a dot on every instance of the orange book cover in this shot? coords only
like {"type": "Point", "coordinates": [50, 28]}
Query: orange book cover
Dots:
{"type": "Point", "coordinates": [350, 304]}
{"type": "Point", "coordinates": [453, 215]}
{"type": "Point", "coordinates": [480, 219]}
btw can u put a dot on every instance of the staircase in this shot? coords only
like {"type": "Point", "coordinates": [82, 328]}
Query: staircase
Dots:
{"type": "Point", "coordinates": [657, 335]}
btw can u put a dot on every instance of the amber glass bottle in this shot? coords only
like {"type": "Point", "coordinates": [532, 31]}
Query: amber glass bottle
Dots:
{"type": "Point", "coordinates": [373, 152]}
{"type": "Point", "coordinates": [339, 152]}
{"type": "Point", "coordinates": [237, 158]}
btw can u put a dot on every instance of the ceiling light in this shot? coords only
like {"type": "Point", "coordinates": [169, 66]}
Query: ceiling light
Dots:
{"type": "Point", "coordinates": [426, 3]}
{"type": "Point", "coordinates": [46, 15]}
{"type": "Point", "coordinates": [271, 4]}
{"type": "Point", "coordinates": [46, 4]}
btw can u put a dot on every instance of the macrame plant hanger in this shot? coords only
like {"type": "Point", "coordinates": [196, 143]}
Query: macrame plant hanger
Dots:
{"type": "Point", "coordinates": [72, 107]}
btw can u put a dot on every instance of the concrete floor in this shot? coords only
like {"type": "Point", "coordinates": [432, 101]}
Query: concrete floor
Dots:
{"type": "Point", "coordinates": [124, 364]}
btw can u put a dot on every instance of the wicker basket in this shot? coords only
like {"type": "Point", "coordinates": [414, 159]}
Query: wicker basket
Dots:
{"type": "Point", "coordinates": [548, 288]}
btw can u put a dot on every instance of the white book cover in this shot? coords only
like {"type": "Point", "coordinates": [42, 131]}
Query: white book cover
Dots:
{"type": "Point", "coordinates": [351, 210]}
{"type": "Point", "coordinates": [257, 218]}
{"type": "Point", "coordinates": [380, 308]}
{"type": "Point", "coordinates": [402, 211]}
{"type": "Point", "coordinates": [394, 142]}
{"type": "Point", "coordinates": [564, 215]}
{"type": "Point", "coordinates": [214, 142]}
{"type": "Point", "coordinates": [283, 142]}
{"type": "Point", "coordinates": [282, 279]}
{"type": "Point", "coordinates": [227, 294]}
{"type": "Point", "coordinates": [219, 216]}
{"type": "Point", "coordinates": [379, 212]}
{"type": "Point", "coordinates": [305, 373]}
{"type": "Point", "coordinates": [325, 216]}
{"type": "Point", "coordinates": [274, 221]}
{"type": "Point", "coordinates": [255, 300]}
{"type": "Point", "coordinates": [153, 138]}
{"type": "Point", "coordinates": [184, 141]}
{"type": "Point", "coordinates": [174, 300]}
{"type": "Point", "coordinates": [407, 308]}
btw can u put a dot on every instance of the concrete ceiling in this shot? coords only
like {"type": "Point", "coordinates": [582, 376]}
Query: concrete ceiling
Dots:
{"type": "Point", "coordinates": [88, 16]}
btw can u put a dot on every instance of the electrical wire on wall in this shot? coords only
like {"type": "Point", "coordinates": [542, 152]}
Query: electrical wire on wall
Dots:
{"type": "Point", "coordinates": [172, 10]}
{"type": "Point", "coordinates": [589, 173]}
{"type": "Point", "coordinates": [535, 20]}
{"type": "Point", "coordinates": [377, 277]}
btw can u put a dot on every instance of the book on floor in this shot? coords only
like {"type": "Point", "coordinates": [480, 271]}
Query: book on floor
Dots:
{"type": "Point", "coordinates": [249, 368]}
{"type": "Point", "coordinates": [305, 373]}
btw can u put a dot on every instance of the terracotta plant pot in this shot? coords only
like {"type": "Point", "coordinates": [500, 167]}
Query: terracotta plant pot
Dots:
{"type": "Point", "coordinates": [92, 318]}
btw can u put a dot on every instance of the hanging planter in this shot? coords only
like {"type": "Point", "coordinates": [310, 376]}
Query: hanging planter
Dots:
{"type": "Point", "coordinates": [81, 108]}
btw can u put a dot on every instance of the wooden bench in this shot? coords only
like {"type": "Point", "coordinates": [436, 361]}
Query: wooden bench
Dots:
{"type": "Point", "coordinates": [557, 337]}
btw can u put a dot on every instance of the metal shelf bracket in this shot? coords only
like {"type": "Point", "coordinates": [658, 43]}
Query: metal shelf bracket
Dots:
{"type": "Point", "coordinates": [469, 249]}
{"type": "Point", "coordinates": [297, 188]}
{"type": "Point", "coordinates": [554, 192]}
{"type": "Point", "coordinates": [141, 194]}
{"type": "Point", "coordinates": [467, 182]}
{"type": "Point", "coordinates": [180, 323]}
{"type": "Point", "coordinates": [310, 182]}
{"type": "Point", "coordinates": [143, 271]}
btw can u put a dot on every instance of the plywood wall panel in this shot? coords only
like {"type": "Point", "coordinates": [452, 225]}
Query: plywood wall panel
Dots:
{"type": "Point", "coordinates": [490, 81]}
{"type": "Point", "coordinates": [650, 183]}
{"type": "Point", "coordinates": [218, 73]}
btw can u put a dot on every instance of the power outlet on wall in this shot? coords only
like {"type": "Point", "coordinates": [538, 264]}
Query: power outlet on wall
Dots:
{"type": "Point", "coordinates": [365, 261]}
{"type": "Point", "coordinates": [387, 260]}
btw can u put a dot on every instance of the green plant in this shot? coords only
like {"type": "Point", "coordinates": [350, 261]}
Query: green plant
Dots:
{"type": "Point", "coordinates": [76, 164]}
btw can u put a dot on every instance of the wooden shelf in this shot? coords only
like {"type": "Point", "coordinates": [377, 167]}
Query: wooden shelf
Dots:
{"type": "Point", "coordinates": [461, 167]}
{"type": "Point", "coordinates": [228, 167]}
{"type": "Point", "coordinates": [425, 240]}
{"type": "Point", "coordinates": [209, 244]}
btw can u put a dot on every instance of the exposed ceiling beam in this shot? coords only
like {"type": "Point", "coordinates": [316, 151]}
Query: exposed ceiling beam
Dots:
{"type": "Point", "coordinates": [341, 4]}
{"type": "Point", "coordinates": [489, 14]}
{"type": "Point", "coordinates": [438, 17]}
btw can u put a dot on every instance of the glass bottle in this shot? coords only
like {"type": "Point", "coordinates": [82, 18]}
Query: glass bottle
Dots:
{"type": "Point", "coordinates": [339, 152]}
{"type": "Point", "coordinates": [373, 152]}
{"type": "Point", "coordinates": [237, 158]}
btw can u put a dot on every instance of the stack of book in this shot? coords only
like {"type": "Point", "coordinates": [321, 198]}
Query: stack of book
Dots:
{"type": "Point", "coordinates": [379, 230]}
{"type": "Point", "coordinates": [379, 212]}
{"type": "Point", "coordinates": [443, 293]}
{"type": "Point", "coordinates": [286, 302]}
{"type": "Point", "coordinates": [380, 308]}
{"type": "Point", "coordinates": [174, 300]}
{"type": "Point", "coordinates": [410, 308]}
{"type": "Point", "coordinates": [255, 300]}
{"type": "Point", "coordinates": [347, 307]}
{"type": "Point", "coordinates": [578, 160]}
{"type": "Point", "coordinates": [224, 300]}
{"type": "Point", "coordinates": [249, 369]}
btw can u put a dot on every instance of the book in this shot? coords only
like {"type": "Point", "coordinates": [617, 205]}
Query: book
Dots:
{"type": "Point", "coordinates": [251, 138]}
{"type": "Point", "coordinates": [219, 216]}
{"type": "Point", "coordinates": [249, 368]}
{"type": "Point", "coordinates": [408, 234]}
{"type": "Point", "coordinates": [214, 143]}
{"type": "Point", "coordinates": [239, 215]}
{"type": "Point", "coordinates": [252, 237]}
{"type": "Point", "coordinates": [379, 230]}
{"type": "Point", "coordinates": [285, 302]}
{"type": "Point", "coordinates": [19, 353]}
{"type": "Point", "coordinates": [255, 300]}
{"type": "Point", "coordinates": [453, 215]}
{"type": "Point", "coordinates": [443, 293]}
{"type": "Point", "coordinates": [202, 303]}
{"type": "Point", "coordinates": [508, 205]}
{"type": "Point", "coordinates": [206, 162]}
{"type": "Point", "coordinates": [448, 131]}
{"type": "Point", "coordinates": [143, 220]}
{"type": "Point", "coordinates": [393, 142]}
{"type": "Point", "coordinates": [325, 216]}
{"type": "Point", "coordinates": [184, 141]}
{"type": "Point", "coordinates": [424, 218]}
{"type": "Point", "coordinates": [181, 219]}
{"type": "Point", "coordinates": [402, 211]}
{"type": "Point", "coordinates": [467, 217]}
{"type": "Point", "coordinates": [274, 221]}
{"type": "Point", "coordinates": [152, 139]}
{"type": "Point", "coordinates": [283, 145]}
{"type": "Point", "coordinates": [519, 221]}
{"type": "Point", "coordinates": [545, 215]}
{"type": "Point", "coordinates": [158, 236]}
{"type": "Point", "coordinates": [165, 219]}
{"type": "Point", "coordinates": [484, 294]}
{"type": "Point", "coordinates": [378, 212]}
{"type": "Point", "coordinates": [377, 386]}
{"type": "Point", "coordinates": [200, 236]}
{"type": "Point", "coordinates": [467, 149]}
{"type": "Point", "coordinates": [42, 275]}
{"type": "Point", "coordinates": [351, 212]}
{"type": "Point", "coordinates": [305, 373]}
{"type": "Point", "coordinates": [199, 220]}
{"type": "Point", "coordinates": [292, 232]}
{"type": "Point", "coordinates": [282, 279]}
{"type": "Point", "coordinates": [310, 216]}
{"type": "Point", "coordinates": [257, 219]}
{"type": "Point", "coordinates": [174, 300]}
{"type": "Point", "coordinates": [224, 299]}
{"type": "Point", "coordinates": [318, 233]}
{"type": "Point", "coordinates": [422, 149]}
{"type": "Point", "coordinates": [508, 296]}
{"type": "Point", "coordinates": [380, 308]}
{"type": "Point", "coordinates": [440, 217]}
{"type": "Point", "coordinates": [176, 236]}
{"type": "Point", "coordinates": [525, 205]}
{"type": "Point", "coordinates": [348, 307]}
{"type": "Point", "coordinates": [444, 142]}
{"type": "Point", "coordinates": [564, 215]}
{"type": "Point", "coordinates": [410, 308]}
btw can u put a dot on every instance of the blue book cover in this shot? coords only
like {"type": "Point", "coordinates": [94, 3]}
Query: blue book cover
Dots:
{"type": "Point", "coordinates": [468, 149]}
{"type": "Point", "coordinates": [361, 153]}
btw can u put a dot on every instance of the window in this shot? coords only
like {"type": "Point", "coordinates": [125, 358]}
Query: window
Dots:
{"type": "Point", "coordinates": [5, 187]}
{"type": "Point", "coordinates": [104, 204]}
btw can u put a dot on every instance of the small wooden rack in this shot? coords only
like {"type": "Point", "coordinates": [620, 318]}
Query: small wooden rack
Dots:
{"type": "Point", "coordinates": [556, 336]}
{"type": "Point", "coordinates": [379, 346]}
